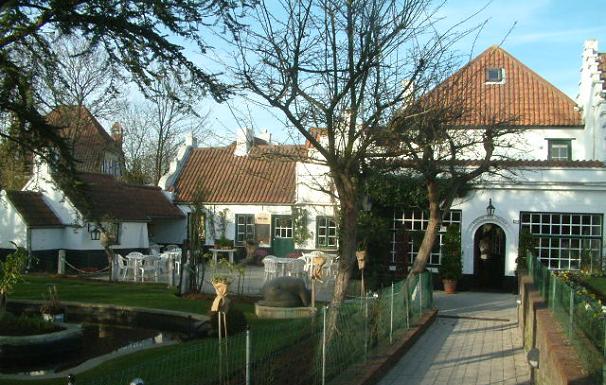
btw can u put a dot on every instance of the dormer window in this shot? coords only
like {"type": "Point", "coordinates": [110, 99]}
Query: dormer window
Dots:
{"type": "Point", "coordinates": [495, 75]}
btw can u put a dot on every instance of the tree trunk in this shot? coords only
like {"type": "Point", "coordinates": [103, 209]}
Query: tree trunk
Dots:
{"type": "Point", "coordinates": [432, 230]}
{"type": "Point", "coordinates": [110, 259]}
{"type": "Point", "coordinates": [348, 229]}
{"type": "Point", "coordinates": [2, 302]}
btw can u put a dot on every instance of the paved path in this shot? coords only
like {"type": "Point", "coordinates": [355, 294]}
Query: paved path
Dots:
{"type": "Point", "coordinates": [474, 341]}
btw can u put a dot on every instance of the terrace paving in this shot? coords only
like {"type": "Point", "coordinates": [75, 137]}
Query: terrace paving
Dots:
{"type": "Point", "coordinates": [474, 341]}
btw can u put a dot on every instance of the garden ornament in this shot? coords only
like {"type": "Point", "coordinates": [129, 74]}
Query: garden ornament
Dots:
{"type": "Point", "coordinates": [221, 302]}
{"type": "Point", "coordinates": [317, 265]}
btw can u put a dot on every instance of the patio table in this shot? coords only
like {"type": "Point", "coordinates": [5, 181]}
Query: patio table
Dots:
{"type": "Point", "coordinates": [230, 253]}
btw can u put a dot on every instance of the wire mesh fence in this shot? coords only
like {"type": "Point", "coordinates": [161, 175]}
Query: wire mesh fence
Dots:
{"type": "Point", "coordinates": [297, 351]}
{"type": "Point", "coordinates": [582, 317]}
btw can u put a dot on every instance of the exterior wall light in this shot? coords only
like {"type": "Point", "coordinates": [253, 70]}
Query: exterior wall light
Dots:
{"type": "Point", "coordinates": [490, 208]}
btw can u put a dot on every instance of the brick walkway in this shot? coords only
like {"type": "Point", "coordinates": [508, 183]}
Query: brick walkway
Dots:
{"type": "Point", "coordinates": [479, 345]}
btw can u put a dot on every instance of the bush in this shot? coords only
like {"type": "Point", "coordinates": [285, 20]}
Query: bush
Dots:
{"type": "Point", "coordinates": [451, 266]}
{"type": "Point", "coordinates": [11, 325]}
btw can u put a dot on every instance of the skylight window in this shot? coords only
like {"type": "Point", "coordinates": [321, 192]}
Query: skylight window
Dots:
{"type": "Point", "coordinates": [495, 75]}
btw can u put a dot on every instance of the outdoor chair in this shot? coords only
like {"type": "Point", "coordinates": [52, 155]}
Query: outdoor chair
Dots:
{"type": "Point", "coordinates": [170, 248]}
{"type": "Point", "coordinates": [297, 269]}
{"type": "Point", "coordinates": [149, 265]}
{"type": "Point", "coordinates": [271, 267]}
{"type": "Point", "coordinates": [126, 265]}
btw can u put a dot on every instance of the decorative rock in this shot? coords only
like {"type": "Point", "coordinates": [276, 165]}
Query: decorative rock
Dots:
{"type": "Point", "coordinates": [285, 292]}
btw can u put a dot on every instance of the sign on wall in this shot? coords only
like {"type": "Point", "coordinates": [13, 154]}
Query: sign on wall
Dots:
{"type": "Point", "coordinates": [262, 218]}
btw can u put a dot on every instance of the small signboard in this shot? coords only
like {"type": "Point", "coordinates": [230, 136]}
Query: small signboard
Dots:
{"type": "Point", "coordinates": [263, 218]}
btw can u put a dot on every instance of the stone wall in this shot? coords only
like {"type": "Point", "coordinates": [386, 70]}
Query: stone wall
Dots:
{"type": "Point", "coordinates": [559, 363]}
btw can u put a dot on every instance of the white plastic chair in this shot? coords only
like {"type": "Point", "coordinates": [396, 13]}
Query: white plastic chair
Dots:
{"type": "Point", "coordinates": [154, 249]}
{"type": "Point", "coordinates": [170, 248]}
{"type": "Point", "coordinates": [270, 267]}
{"type": "Point", "coordinates": [296, 268]}
{"type": "Point", "coordinates": [124, 265]}
{"type": "Point", "coordinates": [149, 265]}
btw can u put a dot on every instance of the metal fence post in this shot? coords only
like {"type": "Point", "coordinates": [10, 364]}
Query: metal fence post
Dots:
{"type": "Point", "coordinates": [391, 317]}
{"type": "Point", "coordinates": [553, 294]}
{"type": "Point", "coordinates": [420, 286]}
{"type": "Point", "coordinates": [406, 304]}
{"type": "Point", "coordinates": [365, 326]}
{"type": "Point", "coordinates": [324, 347]}
{"type": "Point", "coordinates": [248, 349]}
{"type": "Point", "coordinates": [571, 312]}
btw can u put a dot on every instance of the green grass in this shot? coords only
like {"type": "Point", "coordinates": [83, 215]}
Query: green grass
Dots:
{"type": "Point", "coordinates": [148, 295]}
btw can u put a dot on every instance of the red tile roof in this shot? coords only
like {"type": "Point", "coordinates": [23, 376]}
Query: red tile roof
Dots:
{"type": "Point", "coordinates": [90, 140]}
{"type": "Point", "coordinates": [524, 98]}
{"type": "Point", "coordinates": [112, 199]}
{"type": "Point", "coordinates": [266, 175]}
{"type": "Point", "coordinates": [32, 208]}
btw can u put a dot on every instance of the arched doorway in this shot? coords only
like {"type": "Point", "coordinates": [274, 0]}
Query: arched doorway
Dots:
{"type": "Point", "coordinates": [489, 257]}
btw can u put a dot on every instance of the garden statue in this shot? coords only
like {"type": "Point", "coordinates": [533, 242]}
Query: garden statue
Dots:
{"type": "Point", "coordinates": [285, 292]}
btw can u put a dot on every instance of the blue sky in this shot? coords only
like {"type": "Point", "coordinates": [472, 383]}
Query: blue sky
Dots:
{"type": "Point", "coordinates": [546, 35]}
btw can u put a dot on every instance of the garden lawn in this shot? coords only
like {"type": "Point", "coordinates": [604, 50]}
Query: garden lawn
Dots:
{"type": "Point", "coordinates": [149, 295]}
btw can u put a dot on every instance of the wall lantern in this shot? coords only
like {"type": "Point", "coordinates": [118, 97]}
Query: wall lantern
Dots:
{"type": "Point", "coordinates": [490, 208]}
{"type": "Point", "coordinates": [95, 235]}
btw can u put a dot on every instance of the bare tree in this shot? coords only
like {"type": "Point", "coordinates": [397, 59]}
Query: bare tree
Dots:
{"type": "Point", "coordinates": [83, 76]}
{"type": "Point", "coordinates": [345, 67]}
{"type": "Point", "coordinates": [155, 127]}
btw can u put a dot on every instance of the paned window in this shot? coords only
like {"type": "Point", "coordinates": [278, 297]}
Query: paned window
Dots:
{"type": "Point", "coordinates": [559, 149]}
{"type": "Point", "coordinates": [414, 223]}
{"type": "Point", "coordinates": [326, 230]}
{"type": "Point", "coordinates": [564, 239]}
{"type": "Point", "coordinates": [495, 75]}
{"type": "Point", "coordinates": [245, 228]}
{"type": "Point", "coordinates": [283, 228]}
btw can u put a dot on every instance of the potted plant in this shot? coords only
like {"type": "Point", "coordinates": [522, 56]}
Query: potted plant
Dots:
{"type": "Point", "coordinates": [451, 266]}
{"type": "Point", "coordinates": [224, 243]}
{"type": "Point", "coordinates": [52, 310]}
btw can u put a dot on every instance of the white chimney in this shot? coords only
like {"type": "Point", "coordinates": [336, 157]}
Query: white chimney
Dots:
{"type": "Point", "coordinates": [191, 140]}
{"type": "Point", "coordinates": [265, 135]}
{"type": "Point", "coordinates": [244, 141]}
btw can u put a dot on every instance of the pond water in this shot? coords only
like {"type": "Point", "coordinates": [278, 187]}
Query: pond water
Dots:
{"type": "Point", "coordinates": [98, 339]}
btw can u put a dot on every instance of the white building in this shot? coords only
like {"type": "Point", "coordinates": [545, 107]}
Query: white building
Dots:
{"type": "Point", "coordinates": [254, 189]}
{"type": "Point", "coordinates": [559, 183]}
{"type": "Point", "coordinates": [45, 218]}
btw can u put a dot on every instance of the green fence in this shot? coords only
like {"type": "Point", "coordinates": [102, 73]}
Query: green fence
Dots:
{"type": "Point", "coordinates": [582, 317]}
{"type": "Point", "coordinates": [301, 351]}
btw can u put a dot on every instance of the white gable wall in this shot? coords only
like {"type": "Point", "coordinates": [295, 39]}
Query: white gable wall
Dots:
{"type": "Point", "coordinates": [12, 225]}
{"type": "Point", "coordinates": [546, 190]}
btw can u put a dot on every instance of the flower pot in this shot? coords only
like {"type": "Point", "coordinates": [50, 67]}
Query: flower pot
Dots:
{"type": "Point", "coordinates": [53, 317]}
{"type": "Point", "coordinates": [450, 286]}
